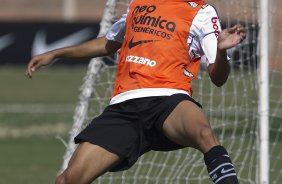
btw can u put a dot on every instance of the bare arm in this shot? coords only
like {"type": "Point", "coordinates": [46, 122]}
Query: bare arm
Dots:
{"type": "Point", "coordinates": [93, 48]}
{"type": "Point", "coordinates": [219, 71]}
{"type": "Point", "coordinates": [228, 38]}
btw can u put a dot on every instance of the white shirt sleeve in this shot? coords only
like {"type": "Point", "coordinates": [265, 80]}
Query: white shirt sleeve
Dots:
{"type": "Point", "coordinates": [117, 30]}
{"type": "Point", "coordinates": [203, 34]}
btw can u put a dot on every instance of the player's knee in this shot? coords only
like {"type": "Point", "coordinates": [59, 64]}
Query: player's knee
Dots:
{"type": "Point", "coordinates": [60, 179]}
{"type": "Point", "coordinates": [206, 133]}
{"type": "Point", "coordinates": [206, 139]}
{"type": "Point", "coordinates": [65, 178]}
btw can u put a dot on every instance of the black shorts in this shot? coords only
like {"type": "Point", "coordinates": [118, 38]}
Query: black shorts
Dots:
{"type": "Point", "coordinates": [134, 127]}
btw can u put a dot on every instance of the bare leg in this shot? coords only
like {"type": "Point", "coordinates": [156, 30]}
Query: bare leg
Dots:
{"type": "Point", "coordinates": [187, 125]}
{"type": "Point", "coordinates": [88, 162]}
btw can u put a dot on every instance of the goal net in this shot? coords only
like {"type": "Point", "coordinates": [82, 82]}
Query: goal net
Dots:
{"type": "Point", "coordinates": [231, 109]}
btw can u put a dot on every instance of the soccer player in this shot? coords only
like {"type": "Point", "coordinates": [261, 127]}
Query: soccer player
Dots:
{"type": "Point", "coordinates": [163, 42]}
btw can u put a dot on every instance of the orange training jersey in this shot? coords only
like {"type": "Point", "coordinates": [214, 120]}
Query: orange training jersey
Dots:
{"type": "Point", "coordinates": [154, 53]}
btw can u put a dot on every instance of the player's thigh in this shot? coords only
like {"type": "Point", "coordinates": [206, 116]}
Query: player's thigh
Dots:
{"type": "Point", "coordinates": [188, 125]}
{"type": "Point", "coordinates": [90, 161]}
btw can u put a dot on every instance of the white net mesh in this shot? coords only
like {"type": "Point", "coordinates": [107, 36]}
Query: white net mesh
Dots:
{"type": "Point", "coordinates": [275, 90]}
{"type": "Point", "coordinates": [231, 109]}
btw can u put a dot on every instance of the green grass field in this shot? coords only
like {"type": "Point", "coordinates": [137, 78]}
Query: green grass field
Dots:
{"type": "Point", "coordinates": [34, 112]}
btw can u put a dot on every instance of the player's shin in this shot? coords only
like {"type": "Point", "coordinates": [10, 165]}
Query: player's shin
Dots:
{"type": "Point", "coordinates": [220, 167]}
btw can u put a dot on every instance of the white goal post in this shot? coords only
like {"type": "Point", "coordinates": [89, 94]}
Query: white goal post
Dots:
{"type": "Point", "coordinates": [264, 95]}
{"type": "Point", "coordinates": [246, 119]}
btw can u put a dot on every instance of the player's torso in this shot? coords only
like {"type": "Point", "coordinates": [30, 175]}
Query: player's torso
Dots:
{"type": "Point", "coordinates": [155, 52]}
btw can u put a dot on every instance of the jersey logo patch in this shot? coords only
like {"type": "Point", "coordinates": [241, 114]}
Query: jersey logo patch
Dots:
{"type": "Point", "coordinates": [193, 4]}
{"type": "Point", "coordinates": [187, 73]}
{"type": "Point", "coordinates": [132, 44]}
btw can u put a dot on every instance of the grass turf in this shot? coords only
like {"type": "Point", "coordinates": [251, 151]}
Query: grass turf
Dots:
{"type": "Point", "coordinates": [30, 152]}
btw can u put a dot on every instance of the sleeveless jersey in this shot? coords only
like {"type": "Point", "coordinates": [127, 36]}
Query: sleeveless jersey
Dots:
{"type": "Point", "coordinates": [154, 53]}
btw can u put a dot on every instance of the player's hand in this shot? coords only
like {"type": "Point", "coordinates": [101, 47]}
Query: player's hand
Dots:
{"type": "Point", "coordinates": [37, 61]}
{"type": "Point", "coordinates": [231, 37]}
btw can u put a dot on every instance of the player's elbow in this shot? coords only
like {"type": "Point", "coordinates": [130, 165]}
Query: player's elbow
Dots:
{"type": "Point", "coordinates": [219, 76]}
{"type": "Point", "coordinates": [219, 82]}
{"type": "Point", "coordinates": [112, 47]}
